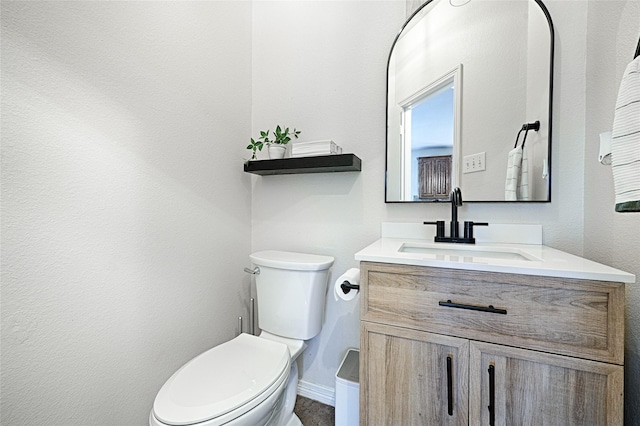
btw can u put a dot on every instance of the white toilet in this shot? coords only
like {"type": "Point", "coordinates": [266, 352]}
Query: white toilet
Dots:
{"type": "Point", "coordinates": [253, 380]}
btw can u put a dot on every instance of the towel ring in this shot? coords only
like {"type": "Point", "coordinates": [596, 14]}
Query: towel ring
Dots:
{"type": "Point", "coordinates": [526, 132]}
{"type": "Point", "coordinates": [518, 136]}
{"type": "Point", "coordinates": [526, 127]}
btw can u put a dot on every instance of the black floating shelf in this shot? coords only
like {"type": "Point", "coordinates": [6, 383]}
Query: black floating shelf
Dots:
{"type": "Point", "coordinates": [317, 164]}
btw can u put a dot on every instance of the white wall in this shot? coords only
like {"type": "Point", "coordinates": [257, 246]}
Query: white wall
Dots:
{"type": "Point", "coordinates": [324, 73]}
{"type": "Point", "coordinates": [612, 238]}
{"type": "Point", "coordinates": [125, 212]}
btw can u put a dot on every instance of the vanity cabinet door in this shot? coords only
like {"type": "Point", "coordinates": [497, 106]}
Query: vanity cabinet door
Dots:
{"type": "Point", "coordinates": [410, 377]}
{"type": "Point", "coordinates": [534, 388]}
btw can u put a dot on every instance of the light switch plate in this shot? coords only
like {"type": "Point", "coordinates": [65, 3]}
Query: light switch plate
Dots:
{"type": "Point", "coordinates": [474, 163]}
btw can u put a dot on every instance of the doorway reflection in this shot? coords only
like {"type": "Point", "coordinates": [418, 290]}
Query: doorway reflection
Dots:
{"type": "Point", "coordinates": [428, 143]}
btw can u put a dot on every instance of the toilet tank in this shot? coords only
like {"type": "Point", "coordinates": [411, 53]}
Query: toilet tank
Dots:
{"type": "Point", "coordinates": [291, 289]}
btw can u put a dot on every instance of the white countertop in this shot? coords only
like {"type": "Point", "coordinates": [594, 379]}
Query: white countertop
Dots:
{"type": "Point", "coordinates": [540, 260]}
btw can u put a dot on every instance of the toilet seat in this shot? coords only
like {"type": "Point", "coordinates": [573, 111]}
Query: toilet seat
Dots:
{"type": "Point", "coordinates": [224, 382]}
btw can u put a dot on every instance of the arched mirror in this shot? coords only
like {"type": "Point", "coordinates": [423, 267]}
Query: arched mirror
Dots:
{"type": "Point", "coordinates": [469, 91]}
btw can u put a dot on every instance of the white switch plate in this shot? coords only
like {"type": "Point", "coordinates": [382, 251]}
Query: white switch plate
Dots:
{"type": "Point", "coordinates": [474, 163]}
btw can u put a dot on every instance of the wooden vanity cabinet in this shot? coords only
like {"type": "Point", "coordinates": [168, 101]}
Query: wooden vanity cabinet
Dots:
{"type": "Point", "coordinates": [440, 346]}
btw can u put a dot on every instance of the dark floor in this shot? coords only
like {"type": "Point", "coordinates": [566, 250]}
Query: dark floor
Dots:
{"type": "Point", "coordinates": [314, 413]}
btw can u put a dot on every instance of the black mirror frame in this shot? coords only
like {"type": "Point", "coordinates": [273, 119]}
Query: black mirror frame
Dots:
{"type": "Point", "coordinates": [550, 121]}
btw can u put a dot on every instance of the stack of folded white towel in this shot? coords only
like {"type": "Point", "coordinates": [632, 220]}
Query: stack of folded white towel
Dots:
{"type": "Point", "coordinates": [308, 149]}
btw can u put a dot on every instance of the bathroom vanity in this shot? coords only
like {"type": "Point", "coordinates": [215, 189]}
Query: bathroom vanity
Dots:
{"type": "Point", "coordinates": [491, 334]}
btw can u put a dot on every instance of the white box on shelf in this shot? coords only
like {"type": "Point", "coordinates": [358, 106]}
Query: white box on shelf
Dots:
{"type": "Point", "coordinates": [307, 149]}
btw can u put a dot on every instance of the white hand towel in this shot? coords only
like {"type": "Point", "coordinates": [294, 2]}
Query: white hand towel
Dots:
{"type": "Point", "coordinates": [513, 174]}
{"type": "Point", "coordinates": [523, 183]}
{"type": "Point", "coordinates": [625, 141]}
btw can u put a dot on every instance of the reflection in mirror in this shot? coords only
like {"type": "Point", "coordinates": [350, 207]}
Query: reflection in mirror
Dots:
{"type": "Point", "coordinates": [436, 137]}
{"type": "Point", "coordinates": [428, 137]}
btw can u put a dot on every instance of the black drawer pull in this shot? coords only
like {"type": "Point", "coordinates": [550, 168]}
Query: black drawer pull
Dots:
{"type": "Point", "coordinates": [450, 385]}
{"type": "Point", "coordinates": [490, 308]}
{"type": "Point", "coordinates": [492, 395]}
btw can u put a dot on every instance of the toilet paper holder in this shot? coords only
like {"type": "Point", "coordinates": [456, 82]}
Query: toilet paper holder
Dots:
{"type": "Point", "coordinates": [346, 287]}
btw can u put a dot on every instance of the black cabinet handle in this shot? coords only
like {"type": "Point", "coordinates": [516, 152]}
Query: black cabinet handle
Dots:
{"type": "Point", "coordinates": [450, 384]}
{"type": "Point", "coordinates": [492, 395]}
{"type": "Point", "coordinates": [490, 308]}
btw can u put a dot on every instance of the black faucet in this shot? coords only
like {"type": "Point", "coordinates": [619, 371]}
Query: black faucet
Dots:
{"type": "Point", "coordinates": [454, 228]}
{"type": "Point", "coordinates": [456, 201]}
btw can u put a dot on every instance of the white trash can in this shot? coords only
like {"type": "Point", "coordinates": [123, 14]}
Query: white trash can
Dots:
{"type": "Point", "coordinates": [348, 390]}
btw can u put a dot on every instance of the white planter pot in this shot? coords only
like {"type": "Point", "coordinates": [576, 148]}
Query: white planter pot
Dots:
{"type": "Point", "coordinates": [277, 151]}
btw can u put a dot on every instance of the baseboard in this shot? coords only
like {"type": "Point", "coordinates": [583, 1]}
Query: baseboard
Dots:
{"type": "Point", "coordinates": [318, 393]}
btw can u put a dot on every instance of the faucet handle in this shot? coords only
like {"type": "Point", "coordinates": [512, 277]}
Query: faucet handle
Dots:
{"type": "Point", "coordinates": [455, 197]}
{"type": "Point", "coordinates": [468, 228]}
{"type": "Point", "coordinates": [439, 227]}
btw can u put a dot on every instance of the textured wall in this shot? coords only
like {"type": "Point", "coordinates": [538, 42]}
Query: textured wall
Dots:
{"type": "Point", "coordinates": [125, 213]}
{"type": "Point", "coordinates": [330, 84]}
{"type": "Point", "coordinates": [609, 237]}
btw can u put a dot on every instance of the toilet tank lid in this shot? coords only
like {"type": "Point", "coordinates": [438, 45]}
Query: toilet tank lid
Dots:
{"type": "Point", "coordinates": [292, 261]}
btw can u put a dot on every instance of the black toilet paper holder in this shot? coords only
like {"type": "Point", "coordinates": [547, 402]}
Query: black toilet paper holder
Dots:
{"type": "Point", "coordinates": [346, 287]}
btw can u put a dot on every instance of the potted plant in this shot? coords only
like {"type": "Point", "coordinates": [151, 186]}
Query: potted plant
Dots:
{"type": "Point", "coordinates": [254, 146]}
{"type": "Point", "coordinates": [276, 146]}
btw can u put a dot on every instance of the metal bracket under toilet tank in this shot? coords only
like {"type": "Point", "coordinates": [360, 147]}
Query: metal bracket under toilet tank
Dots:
{"type": "Point", "coordinates": [252, 306]}
{"type": "Point", "coordinates": [252, 321]}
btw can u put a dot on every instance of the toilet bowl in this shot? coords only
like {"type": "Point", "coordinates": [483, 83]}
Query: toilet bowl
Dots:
{"type": "Point", "coordinates": [252, 380]}
{"type": "Point", "coordinates": [240, 379]}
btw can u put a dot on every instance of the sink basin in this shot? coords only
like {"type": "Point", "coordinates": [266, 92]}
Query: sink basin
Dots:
{"type": "Point", "coordinates": [467, 251]}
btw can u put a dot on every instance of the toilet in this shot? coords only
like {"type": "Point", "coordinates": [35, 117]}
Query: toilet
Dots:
{"type": "Point", "coordinates": [253, 380]}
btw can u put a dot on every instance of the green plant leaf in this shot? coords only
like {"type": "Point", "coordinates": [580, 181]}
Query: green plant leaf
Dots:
{"type": "Point", "coordinates": [280, 137]}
